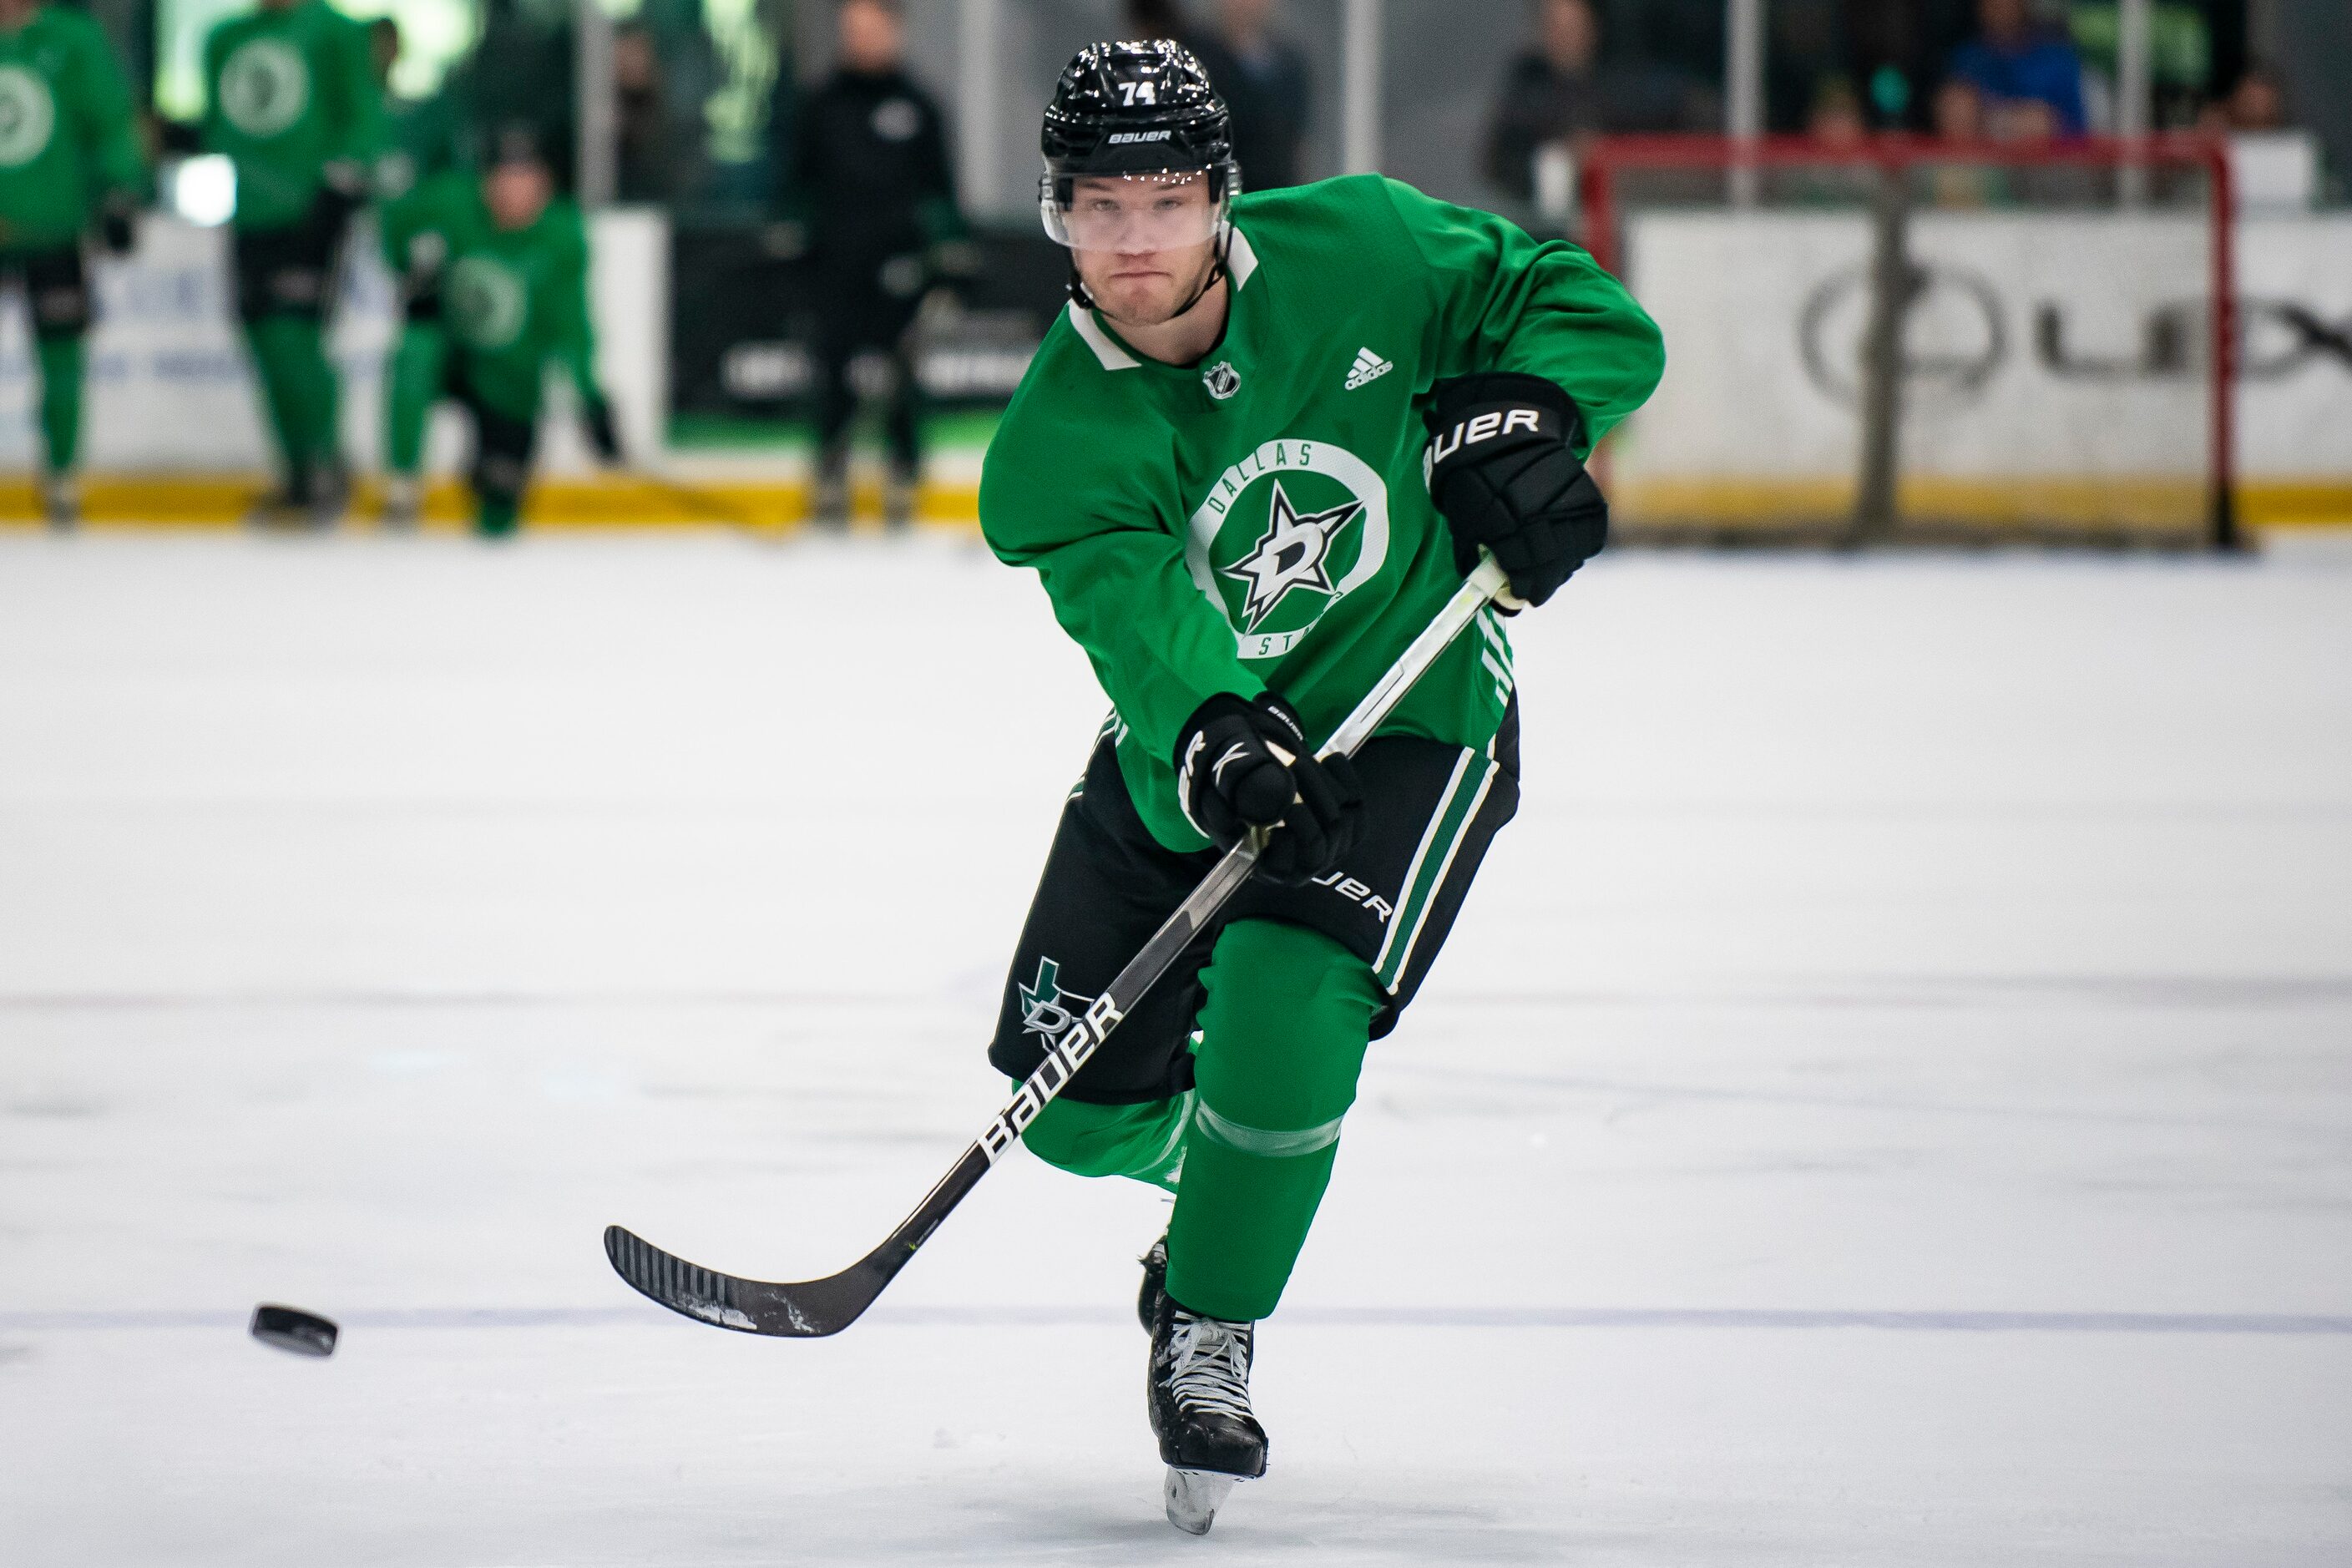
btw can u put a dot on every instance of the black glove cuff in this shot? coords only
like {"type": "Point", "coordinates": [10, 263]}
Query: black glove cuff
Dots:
{"type": "Point", "coordinates": [1458, 397]}
{"type": "Point", "coordinates": [1476, 415]}
{"type": "Point", "coordinates": [1230, 704]}
{"type": "Point", "coordinates": [1284, 714]}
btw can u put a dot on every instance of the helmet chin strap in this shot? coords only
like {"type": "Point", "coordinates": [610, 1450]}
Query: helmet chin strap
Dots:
{"type": "Point", "coordinates": [1217, 269]}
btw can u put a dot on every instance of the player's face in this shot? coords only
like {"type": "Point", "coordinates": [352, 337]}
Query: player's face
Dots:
{"type": "Point", "coordinates": [517, 192]}
{"type": "Point", "coordinates": [1144, 245]}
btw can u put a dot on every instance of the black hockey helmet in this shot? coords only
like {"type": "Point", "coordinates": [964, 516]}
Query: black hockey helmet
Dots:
{"type": "Point", "coordinates": [1140, 110]}
{"type": "Point", "coordinates": [1135, 107]}
{"type": "Point", "coordinates": [516, 142]}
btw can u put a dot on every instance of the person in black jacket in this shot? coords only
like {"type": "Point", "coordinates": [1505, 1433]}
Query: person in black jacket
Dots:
{"type": "Point", "coordinates": [1262, 76]}
{"type": "Point", "coordinates": [1560, 93]}
{"type": "Point", "coordinates": [869, 197]}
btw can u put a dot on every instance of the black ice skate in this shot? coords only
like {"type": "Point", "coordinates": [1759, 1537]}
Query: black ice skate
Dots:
{"type": "Point", "coordinates": [1155, 1285]}
{"type": "Point", "coordinates": [1201, 1411]}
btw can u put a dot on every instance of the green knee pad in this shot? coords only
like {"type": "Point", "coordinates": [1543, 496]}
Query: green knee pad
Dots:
{"type": "Point", "coordinates": [1145, 1141]}
{"type": "Point", "coordinates": [1287, 1016]}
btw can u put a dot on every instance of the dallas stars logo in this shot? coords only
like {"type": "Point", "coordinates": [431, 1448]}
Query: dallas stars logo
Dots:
{"type": "Point", "coordinates": [1045, 1009]}
{"type": "Point", "coordinates": [1295, 552]}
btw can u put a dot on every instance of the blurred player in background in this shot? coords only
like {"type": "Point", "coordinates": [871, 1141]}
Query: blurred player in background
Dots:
{"type": "Point", "coordinates": [421, 139]}
{"type": "Point", "coordinates": [422, 135]}
{"type": "Point", "coordinates": [493, 271]}
{"type": "Point", "coordinates": [869, 197]}
{"type": "Point", "coordinates": [292, 99]}
{"type": "Point", "coordinates": [70, 155]}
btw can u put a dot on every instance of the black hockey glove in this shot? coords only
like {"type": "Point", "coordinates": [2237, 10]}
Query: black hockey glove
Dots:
{"type": "Point", "coordinates": [420, 279]}
{"type": "Point", "coordinates": [1241, 765]}
{"type": "Point", "coordinates": [1504, 471]}
{"type": "Point", "coordinates": [343, 191]}
{"type": "Point", "coordinates": [118, 222]}
{"type": "Point", "coordinates": [597, 419]}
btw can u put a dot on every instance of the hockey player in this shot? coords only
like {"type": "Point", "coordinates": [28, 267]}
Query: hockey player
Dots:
{"type": "Point", "coordinates": [1249, 463]}
{"type": "Point", "coordinates": [494, 282]}
{"type": "Point", "coordinates": [70, 155]}
{"type": "Point", "coordinates": [292, 99]}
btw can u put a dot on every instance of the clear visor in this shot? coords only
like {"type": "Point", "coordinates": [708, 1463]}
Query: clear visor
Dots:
{"type": "Point", "coordinates": [1133, 213]}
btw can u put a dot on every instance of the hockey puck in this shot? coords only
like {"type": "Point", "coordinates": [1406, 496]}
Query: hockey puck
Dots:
{"type": "Point", "coordinates": [292, 1329]}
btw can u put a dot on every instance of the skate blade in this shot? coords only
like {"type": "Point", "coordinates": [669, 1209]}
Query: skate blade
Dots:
{"type": "Point", "coordinates": [1194, 1497]}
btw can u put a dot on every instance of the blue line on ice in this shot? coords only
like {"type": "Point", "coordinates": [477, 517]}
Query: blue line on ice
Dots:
{"type": "Point", "coordinates": [996, 1316]}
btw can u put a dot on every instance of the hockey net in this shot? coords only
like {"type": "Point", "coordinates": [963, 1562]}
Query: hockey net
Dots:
{"type": "Point", "coordinates": [1904, 340]}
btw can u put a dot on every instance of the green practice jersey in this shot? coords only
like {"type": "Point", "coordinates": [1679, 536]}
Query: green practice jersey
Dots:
{"type": "Point", "coordinates": [422, 138]}
{"type": "Point", "coordinates": [287, 93]}
{"type": "Point", "coordinates": [1260, 520]}
{"type": "Point", "coordinates": [511, 299]}
{"type": "Point", "coordinates": [67, 136]}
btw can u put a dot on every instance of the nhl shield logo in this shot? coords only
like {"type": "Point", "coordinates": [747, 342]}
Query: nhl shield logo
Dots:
{"type": "Point", "coordinates": [1222, 380]}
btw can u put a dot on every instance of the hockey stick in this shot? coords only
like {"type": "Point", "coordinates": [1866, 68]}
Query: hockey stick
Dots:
{"type": "Point", "coordinates": [812, 1307]}
{"type": "Point", "coordinates": [703, 505]}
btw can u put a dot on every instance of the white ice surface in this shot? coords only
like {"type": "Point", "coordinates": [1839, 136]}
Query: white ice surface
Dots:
{"type": "Point", "coordinates": [1964, 942]}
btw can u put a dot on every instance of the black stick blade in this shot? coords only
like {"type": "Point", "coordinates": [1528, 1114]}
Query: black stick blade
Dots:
{"type": "Point", "coordinates": [809, 1309]}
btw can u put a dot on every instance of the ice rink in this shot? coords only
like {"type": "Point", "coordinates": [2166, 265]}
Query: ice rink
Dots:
{"type": "Point", "coordinates": [1889, 1101]}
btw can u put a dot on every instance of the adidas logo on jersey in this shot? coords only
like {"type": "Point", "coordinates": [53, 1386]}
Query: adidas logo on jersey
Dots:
{"type": "Point", "coordinates": [1368, 368]}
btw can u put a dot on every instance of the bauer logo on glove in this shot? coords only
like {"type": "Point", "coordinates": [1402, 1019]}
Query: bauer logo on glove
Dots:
{"type": "Point", "coordinates": [1502, 469]}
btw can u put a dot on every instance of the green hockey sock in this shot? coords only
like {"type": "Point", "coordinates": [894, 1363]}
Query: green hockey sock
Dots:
{"type": "Point", "coordinates": [61, 373]}
{"type": "Point", "coordinates": [280, 345]}
{"type": "Point", "coordinates": [1248, 1153]}
{"type": "Point", "coordinates": [325, 387]}
{"type": "Point", "coordinates": [1287, 1016]}
{"type": "Point", "coordinates": [413, 385]}
{"type": "Point", "coordinates": [496, 516]}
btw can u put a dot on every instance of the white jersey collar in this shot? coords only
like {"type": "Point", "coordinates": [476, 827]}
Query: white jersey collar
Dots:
{"type": "Point", "coordinates": [1240, 260]}
{"type": "Point", "coordinates": [1106, 349]}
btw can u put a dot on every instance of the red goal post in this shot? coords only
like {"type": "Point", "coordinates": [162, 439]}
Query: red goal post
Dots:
{"type": "Point", "coordinates": [1931, 340]}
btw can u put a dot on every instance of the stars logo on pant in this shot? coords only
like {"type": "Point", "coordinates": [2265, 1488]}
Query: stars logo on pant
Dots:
{"type": "Point", "coordinates": [1045, 1008]}
{"type": "Point", "coordinates": [1294, 552]}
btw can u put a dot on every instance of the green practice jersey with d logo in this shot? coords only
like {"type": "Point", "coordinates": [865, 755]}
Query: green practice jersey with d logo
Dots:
{"type": "Point", "coordinates": [265, 87]}
{"type": "Point", "coordinates": [1284, 534]}
{"type": "Point", "coordinates": [68, 134]}
{"type": "Point", "coordinates": [288, 90]}
{"type": "Point", "coordinates": [29, 116]}
{"type": "Point", "coordinates": [512, 300]}
{"type": "Point", "coordinates": [1259, 519]}
{"type": "Point", "coordinates": [488, 301]}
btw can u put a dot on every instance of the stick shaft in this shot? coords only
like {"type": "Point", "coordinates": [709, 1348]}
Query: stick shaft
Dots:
{"type": "Point", "coordinates": [1069, 1052]}
{"type": "Point", "coordinates": [818, 1306]}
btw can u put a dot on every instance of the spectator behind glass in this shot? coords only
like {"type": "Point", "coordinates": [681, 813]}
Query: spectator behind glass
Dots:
{"type": "Point", "coordinates": [1834, 123]}
{"type": "Point", "coordinates": [2257, 103]}
{"type": "Point", "coordinates": [869, 199]}
{"type": "Point", "coordinates": [2029, 78]}
{"type": "Point", "coordinates": [1559, 93]}
{"type": "Point", "coordinates": [1154, 19]}
{"type": "Point", "coordinates": [1960, 118]}
{"type": "Point", "coordinates": [647, 167]}
{"type": "Point", "coordinates": [1552, 95]}
{"type": "Point", "coordinates": [1262, 78]}
{"type": "Point", "coordinates": [1836, 120]}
